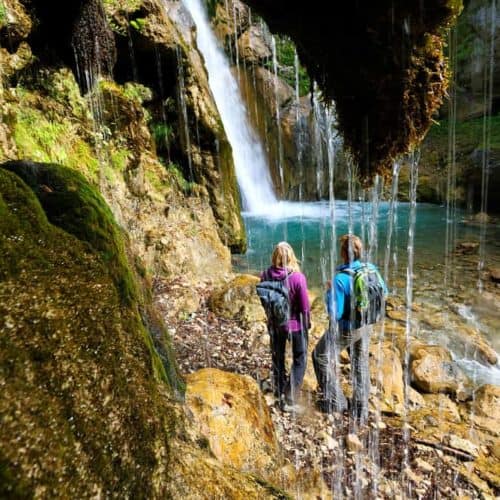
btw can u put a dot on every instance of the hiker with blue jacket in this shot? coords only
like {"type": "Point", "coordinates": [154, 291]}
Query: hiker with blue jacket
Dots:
{"type": "Point", "coordinates": [284, 279]}
{"type": "Point", "coordinates": [355, 300]}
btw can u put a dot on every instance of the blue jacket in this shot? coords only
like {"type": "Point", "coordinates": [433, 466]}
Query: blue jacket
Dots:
{"type": "Point", "coordinates": [340, 293]}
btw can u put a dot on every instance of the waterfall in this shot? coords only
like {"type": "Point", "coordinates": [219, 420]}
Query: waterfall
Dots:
{"type": "Point", "coordinates": [250, 164]}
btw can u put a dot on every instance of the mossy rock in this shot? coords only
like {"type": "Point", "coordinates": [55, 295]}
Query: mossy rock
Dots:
{"type": "Point", "coordinates": [73, 205]}
{"type": "Point", "coordinates": [82, 394]}
{"type": "Point", "coordinates": [85, 409]}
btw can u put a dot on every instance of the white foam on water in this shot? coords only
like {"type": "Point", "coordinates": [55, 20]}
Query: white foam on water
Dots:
{"type": "Point", "coordinates": [480, 374]}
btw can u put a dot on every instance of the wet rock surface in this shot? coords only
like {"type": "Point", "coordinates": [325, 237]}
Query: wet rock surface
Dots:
{"type": "Point", "coordinates": [424, 452]}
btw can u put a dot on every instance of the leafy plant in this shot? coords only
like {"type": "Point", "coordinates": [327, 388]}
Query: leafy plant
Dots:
{"type": "Point", "coordinates": [139, 24]}
{"type": "Point", "coordinates": [163, 134]}
{"type": "Point", "coordinates": [285, 57]}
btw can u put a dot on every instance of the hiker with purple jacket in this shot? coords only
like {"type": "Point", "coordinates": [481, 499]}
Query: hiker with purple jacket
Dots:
{"type": "Point", "coordinates": [285, 268]}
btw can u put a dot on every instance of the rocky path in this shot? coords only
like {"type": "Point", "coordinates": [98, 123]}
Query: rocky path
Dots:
{"type": "Point", "coordinates": [376, 461]}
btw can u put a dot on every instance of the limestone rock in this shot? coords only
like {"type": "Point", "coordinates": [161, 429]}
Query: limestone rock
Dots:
{"type": "Point", "coordinates": [238, 300]}
{"type": "Point", "coordinates": [423, 465]}
{"type": "Point", "coordinates": [232, 413]}
{"type": "Point", "coordinates": [440, 406]}
{"type": "Point", "coordinates": [253, 46]}
{"type": "Point", "coordinates": [486, 408]}
{"type": "Point", "coordinates": [461, 444]}
{"type": "Point", "coordinates": [433, 370]}
{"type": "Point", "coordinates": [415, 398]}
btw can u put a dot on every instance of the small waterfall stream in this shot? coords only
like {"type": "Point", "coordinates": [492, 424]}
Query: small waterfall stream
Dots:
{"type": "Point", "coordinates": [249, 160]}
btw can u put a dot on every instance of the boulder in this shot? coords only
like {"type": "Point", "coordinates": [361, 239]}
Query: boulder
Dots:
{"type": "Point", "coordinates": [433, 370]}
{"type": "Point", "coordinates": [231, 412]}
{"type": "Point", "coordinates": [238, 300]}
{"type": "Point", "coordinates": [253, 46]}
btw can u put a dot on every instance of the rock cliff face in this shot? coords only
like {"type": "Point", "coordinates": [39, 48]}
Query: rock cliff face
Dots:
{"type": "Point", "coordinates": [476, 61]}
{"type": "Point", "coordinates": [173, 124]}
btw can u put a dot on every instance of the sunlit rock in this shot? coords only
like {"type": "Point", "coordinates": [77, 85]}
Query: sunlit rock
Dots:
{"type": "Point", "coordinates": [232, 413]}
{"type": "Point", "coordinates": [353, 443]}
{"type": "Point", "coordinates": [433, 370]}
{"type": "Point", "coordinates": [485, 408]}
{"type": "Point", "coordinates": [461, 444]}
{"type": "Point", "coordinates": [238, 300]}
{"type": "Point", "coordinates": [253, 46]}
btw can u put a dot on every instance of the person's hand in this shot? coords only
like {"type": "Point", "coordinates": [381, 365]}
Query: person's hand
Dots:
{"type": "Point", "coordinates": [328, 285]}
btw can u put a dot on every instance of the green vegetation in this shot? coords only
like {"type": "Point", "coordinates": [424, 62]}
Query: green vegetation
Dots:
{"type": "Point", "coordinates": [52, 141]}
{"type": "Point", "coordinates": [3, 14]}
{"type": "Point", "coordinates": [73, 205]}
{"type": "Point", "coordinates": [73, 353]}
{"type": "Point", "coordinates": [137, 92]}
{"type": "Point", "coordinates": [285, 56]}
{"type": "Point", "coordinates": [211, 7]}
{"type": "Point", "coordinates": [469, 133]}
{"type": "Point", "coordinates": [121, 5]}
{"type": "Point", "coordinates": [163, 135]}
{"type": "Point", "coordinates": [119, 158]}
{"type": "Point", "coordinates": [176, 171]}
{"type": "Point", "coordinates": [139, 24]}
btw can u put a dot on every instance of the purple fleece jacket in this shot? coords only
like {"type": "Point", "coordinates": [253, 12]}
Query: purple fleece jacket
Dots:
{"type": "Point", "coordinates": [297, 293]}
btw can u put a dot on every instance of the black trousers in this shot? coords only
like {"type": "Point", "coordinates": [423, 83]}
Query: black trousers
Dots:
{"type": "Point", "coordinates": [325, 358]}
{"type": "Point", "coordinates": [282, 385]}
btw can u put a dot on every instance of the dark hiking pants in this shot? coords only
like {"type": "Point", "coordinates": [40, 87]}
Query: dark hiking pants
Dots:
{"type": "Point", "coordinates": [325, 358]}
{"type": "Point", "coordinates": [284, 387]}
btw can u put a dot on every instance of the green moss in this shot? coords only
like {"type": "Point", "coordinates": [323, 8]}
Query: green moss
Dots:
{"type": "Point", "coordinates": [73, 205]}
{"type": "Point", "coordinates": [10, 487]}
{"type": "Point", "coordinates": [77, 363]}
{"type": "Point", "coordinates": [155, 180]}
{"type": "Point", "coordinates": [138, 24]}
{"type": "Point", "coordinates": [136, 92]}
{"type": "Point", "coordinates": [119, 158]}
{"type": "Point", "coordinates": [175, 171]}
{"type": "Point", "coordinates": [52, 141]}
{"type": "Point", "coordinates": [3, 14]}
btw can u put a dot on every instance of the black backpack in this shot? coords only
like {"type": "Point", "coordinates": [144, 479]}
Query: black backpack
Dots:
{"type": "Point", "coordinates": [368, 292]}
{"type": "Point", "coordinates": [273, 295]}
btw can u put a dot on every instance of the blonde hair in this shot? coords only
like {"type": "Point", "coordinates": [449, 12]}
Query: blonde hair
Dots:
{"type": "Point", "coordinates": [351, 247]}
{"type": "Point", "coordinates": [284, 256]}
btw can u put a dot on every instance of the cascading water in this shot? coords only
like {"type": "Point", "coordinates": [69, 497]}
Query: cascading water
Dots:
{"type": "Point", "coordinates": [313, 227]}
{"type": "Point", "coordinates": [249, 159]}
